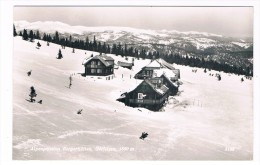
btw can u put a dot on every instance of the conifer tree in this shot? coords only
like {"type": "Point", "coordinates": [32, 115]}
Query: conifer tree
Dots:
{"type": "Point", "coordinates": [87, 44]}
{"type": "Point", "coordinates": [126, 52]}
{"type": "Point", "coordinates": [31, 36]}
{"type": "Point", "coordinates": [38, 35]}
{"type": "Point", "coordinates": [44, 38]}
{"type": "Point", "coordinates": [25, 35]}
{"type": "Point", "coordinates": [56, 39]}
{"type": "Point", "coordinates": [99, 47]}
{"type": "Point", "coordinates": [15, 33]}
{"type": "Point", "coordinates": [119, 49]}
{"type": "Point", "coordinates": [94, 44]}
{"type": "Point", "coordinates": [70, 40]}
{"type": "Point", "coordinates": [108, 49]}
{"type": "Point", "coordinates": [59, 55]}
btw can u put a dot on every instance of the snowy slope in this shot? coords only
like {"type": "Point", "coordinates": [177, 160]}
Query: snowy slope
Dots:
{"type": "Point", "coordinates": [205, 122]}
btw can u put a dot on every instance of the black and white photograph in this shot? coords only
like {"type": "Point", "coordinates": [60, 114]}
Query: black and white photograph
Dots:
{"type": "Point", "coordinates": [153, 83]}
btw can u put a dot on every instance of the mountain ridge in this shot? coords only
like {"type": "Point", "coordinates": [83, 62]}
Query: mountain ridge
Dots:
{"type": "Point", "coordinates": [197, 44]}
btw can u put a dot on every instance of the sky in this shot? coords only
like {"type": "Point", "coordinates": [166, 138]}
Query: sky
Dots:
{"type": "Point", "coordinates": [227, 21]}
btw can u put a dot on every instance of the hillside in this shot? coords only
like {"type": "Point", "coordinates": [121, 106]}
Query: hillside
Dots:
{"type": "Point", "coordinates": [209, 120]}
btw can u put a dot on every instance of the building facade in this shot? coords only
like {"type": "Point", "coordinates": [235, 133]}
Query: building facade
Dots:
{"type": "Point", "coordinates": [150, 94]}
{"type": "Point", "coordinates": [100, 65]}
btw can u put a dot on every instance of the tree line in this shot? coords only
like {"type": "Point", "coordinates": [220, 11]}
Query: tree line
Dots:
{"type": "Point", "coordinates": [125, 50]}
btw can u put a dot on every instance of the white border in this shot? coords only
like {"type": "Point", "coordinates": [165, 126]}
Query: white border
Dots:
{"type": "Point", "coordinates": [6, 70]}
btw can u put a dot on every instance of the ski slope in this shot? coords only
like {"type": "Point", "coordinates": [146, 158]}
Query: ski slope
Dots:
{"type": "Point", "coordinates": [209, 120]}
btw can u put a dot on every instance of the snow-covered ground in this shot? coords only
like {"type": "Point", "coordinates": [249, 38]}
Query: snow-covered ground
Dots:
{"type": "Point", "coordinates": [209, 120]}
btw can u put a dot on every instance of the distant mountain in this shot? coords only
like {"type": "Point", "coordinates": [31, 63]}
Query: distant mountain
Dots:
{"type": "Point", "coordinates": [234, 51]}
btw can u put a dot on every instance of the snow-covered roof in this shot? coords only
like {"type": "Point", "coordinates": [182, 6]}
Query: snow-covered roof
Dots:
{"type": "Point", "coordinates": [165, 64]}
{"type": "Point", "coordinates": [159, 89]}
{"type": "Point", "coordinates": [160, 63]}
{"type": "Point", "coordinates": [154, 64]}
{"type": "Point", "coordinates": [169, 73]}
{"type": "Point", "coordinates": [163, 89]}
{"type": "Point", "coordinates": [103, 58]}
{"type": "Point", "coordinates": [170, 81]}
{"type": "Point", "coordinates": [120, 63]}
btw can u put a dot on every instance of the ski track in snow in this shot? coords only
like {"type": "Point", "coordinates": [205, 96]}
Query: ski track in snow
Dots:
{"type": "Point", "coordinates": [28, 144]}
{"type": "Point", "coordinates": [80, 132]}
{"type": "Point", "coordinates": [168, 142]}
{"type": "Point", "coordinates": [102, 131]}
{"type": "Point", "coordinates": [35, 115]}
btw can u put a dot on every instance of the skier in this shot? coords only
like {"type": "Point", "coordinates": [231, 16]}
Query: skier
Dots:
{"type": "Point", "coordinates": [38, 44]}
{"type": "Point", "coordinates": [32, 94]}
{"type": "Point", "coordinates": [219, 77]}
{"type": "Point", "coordinates": [79, 111]}
{"type": "Point", "coordinates": [70, 78]}
{"type": "Point", "coordinates": [144, 135]}
{"type": "Point", "coordinates": [29, 73]}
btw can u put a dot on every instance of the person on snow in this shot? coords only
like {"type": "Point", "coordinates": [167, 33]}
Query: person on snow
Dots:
{"type": "Point", "coordinates": [144, 135]}
{"type": "Point", "coordinates": [32, 94]}
{"type": "Point", "coordinates": [79, 111]}
{"type": "Point", "coordinates": [70, 78]}
{"type": "Point", "coordinates": [29, 73]}
{"type": "Point", "coordinates": [38, 44]}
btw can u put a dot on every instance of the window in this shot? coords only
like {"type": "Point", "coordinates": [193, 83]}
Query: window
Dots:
{"type": "Point", "coordinates": [99, 70]}
{"type": "Point", "coordinates": [111, 70]}
{"type": "Point", "coordinates": [92, 64]}
{"type": "Point", "coordinates": [93, 70]}
{"type": "Point", "coordinates": [98, 63]}
{"type": "Point", "coordinates": [140, 95]}
{"type": "Point", "coordinates": [154, 74]}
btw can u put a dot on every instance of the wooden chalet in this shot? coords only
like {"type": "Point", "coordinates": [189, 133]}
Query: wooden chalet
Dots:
{"type": "Point", "coordinates": [99, 65]}
{"type": "Point", "coordinates": [148, 70]}
{"type": "Point", "coordinates": [150, 93]}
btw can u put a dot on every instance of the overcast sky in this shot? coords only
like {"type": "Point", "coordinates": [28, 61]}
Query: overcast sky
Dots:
{"type": "Point", "coordinates": [228, 21]}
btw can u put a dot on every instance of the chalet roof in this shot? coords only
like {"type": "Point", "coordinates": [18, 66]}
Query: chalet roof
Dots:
{"type": "Point", "coordinates": [160, 90]}
{"type": "Point", "coordinates": [169, 73]}
{"type": "Point", "coordinates": [107, 58]}
{"type": "Point", "coordinates": [120, 63]}
{"type": "Point", "coordinates": [165, 64]}
{"type": "Point", "coordinates": [160, 63]}
{"type": "Point", "coordinates": [154, 64]}
{"type": "Point", "coordinates": [168, 79]}
{"type": "Point", "coordinates": [103, 58]}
